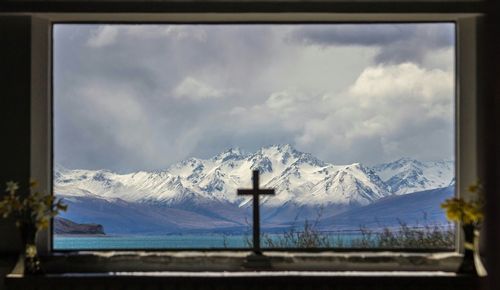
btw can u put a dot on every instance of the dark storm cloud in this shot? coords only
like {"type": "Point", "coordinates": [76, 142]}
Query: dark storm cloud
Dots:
{"type": "Point", "coordinates": [352, 34]}
{"type": "Point", "coordinates": [400, 42]}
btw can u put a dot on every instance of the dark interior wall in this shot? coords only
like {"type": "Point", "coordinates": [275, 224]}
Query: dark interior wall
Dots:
{"type": "Point", "coordinates": [15, 106]}
{"type": "Point", "coordinates": [15, 79]}
{"type": "Point", "coordinates": [490, 136]}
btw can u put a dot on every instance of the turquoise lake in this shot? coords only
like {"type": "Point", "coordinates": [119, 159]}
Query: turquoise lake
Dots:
{"type": "Point", "coordinates": [160, 242]}
{"type": "Point", "coordinates": [148, 242]}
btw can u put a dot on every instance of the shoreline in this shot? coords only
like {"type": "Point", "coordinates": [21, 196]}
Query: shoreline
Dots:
{"type": "Point", "coordinates": [81, 235]}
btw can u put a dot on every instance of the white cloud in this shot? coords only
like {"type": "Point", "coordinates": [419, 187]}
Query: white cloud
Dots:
{"type": "Point", "coordinates": [388, 112]}
{"type": "Point", "coordinates": [440, 59]}
{"type": "Point", "coordinates": [103, 36]}
{"type": "Point", "coordinates": [238, 110]}
{"type": "Point", "coordinates": [191, 88]}
{"type": "Point", "coordinates": [289, 100]}
{"type": "Point", "coordinates": [388, 107]}
{"type": "Point", "coordinates": [122, 114]}
{"type": "Point", "coordinates": [405, 80]}
{"type": "Point", "coordinates": [158, 95]}
{"type": "Point", "coordinates": [161, 31]}
{"type": "Point", "coordinates": [106, 35]}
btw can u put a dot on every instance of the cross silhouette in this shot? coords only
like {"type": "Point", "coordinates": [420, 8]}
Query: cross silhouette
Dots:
{"type": "Point", "coordinates": [256, 192]}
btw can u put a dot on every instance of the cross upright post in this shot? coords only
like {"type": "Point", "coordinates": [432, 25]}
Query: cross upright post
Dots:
{"type": "Point", "coordinates": [256, 192]}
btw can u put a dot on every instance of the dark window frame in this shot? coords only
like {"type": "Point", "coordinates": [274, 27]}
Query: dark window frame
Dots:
{"type": "Point", "coordinates": [41, 167]}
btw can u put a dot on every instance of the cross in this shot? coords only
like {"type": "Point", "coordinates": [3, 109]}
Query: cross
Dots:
{"type": "Point", "coordinates": [256, 192]}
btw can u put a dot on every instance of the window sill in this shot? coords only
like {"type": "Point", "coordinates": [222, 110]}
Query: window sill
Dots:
{"type": "Point", "coordinates": [105, 262]}
{"type": "Point", "coordinates": [226, 270]}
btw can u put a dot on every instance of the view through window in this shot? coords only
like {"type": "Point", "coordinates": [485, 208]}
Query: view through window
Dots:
{"type": "Point", "coordinates": [156, 127]}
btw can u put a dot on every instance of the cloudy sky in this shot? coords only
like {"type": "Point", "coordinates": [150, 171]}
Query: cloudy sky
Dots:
{"type": "Point", "coordinates": [141, 97]}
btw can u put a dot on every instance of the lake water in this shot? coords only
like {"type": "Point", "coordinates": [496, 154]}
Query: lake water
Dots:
{"type": "Point", "coordinates": [206, 241]}
{"type": "Point", "coordinates": [148, 242]}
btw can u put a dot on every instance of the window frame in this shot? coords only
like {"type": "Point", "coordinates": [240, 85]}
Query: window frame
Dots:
{"type": "Point", "coordinates": [466, 84]}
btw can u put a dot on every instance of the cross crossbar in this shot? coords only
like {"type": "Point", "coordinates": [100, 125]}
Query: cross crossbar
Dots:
{"type": "Point", "coordinates": [252, 192]}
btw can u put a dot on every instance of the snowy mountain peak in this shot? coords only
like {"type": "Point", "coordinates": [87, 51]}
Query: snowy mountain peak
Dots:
{"type": "Point", "coordinates": [229, 154]}
{"type": "Point", "coordinates": [280, 148]}
{"type": "Point", "coordinates": [408, 175]}
{"type": "Point", "coordinates": [298, 178]}
{"type": "Point", "coordinates": [403, 162]}
{"type": "Point", "coordinates": [59, 171]}
{"type": "Point", "coordinates": [404, 159]}
{"type": "Point", "coordinates": [59, 168]}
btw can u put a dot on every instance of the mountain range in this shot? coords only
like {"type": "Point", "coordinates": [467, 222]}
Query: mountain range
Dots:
{"type": "Point", "coordinates": [200, 194]}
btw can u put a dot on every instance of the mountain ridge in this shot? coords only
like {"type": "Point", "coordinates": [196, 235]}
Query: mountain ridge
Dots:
{"type": "Point", "coordinates": [202, 192]}
{"type": "Point", "coordinates": [290, 172]}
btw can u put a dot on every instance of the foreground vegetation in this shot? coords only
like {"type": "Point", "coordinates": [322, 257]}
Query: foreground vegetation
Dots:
{"type": "Point", "coordinates": [415, 237]}
{"type": "Point", "coordinates": [426, 237]}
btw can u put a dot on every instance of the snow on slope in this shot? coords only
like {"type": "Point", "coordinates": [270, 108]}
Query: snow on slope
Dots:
{"type": "Point", "coordinates": [351, 183]}
{"type": "Point", "coordinates": [408, 175]}
{"type": "Point", "coordinates": [296, 176]}
{"type": "Point", "coordinates": [200, 194]}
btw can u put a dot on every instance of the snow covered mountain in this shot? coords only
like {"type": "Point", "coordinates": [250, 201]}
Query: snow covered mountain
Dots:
{"type": "Point", "coordinates": [296, 176]}
{"type": "Point", "coordinates": [201, 193]}
{"type": "Point", "coordinates": [408, 175]}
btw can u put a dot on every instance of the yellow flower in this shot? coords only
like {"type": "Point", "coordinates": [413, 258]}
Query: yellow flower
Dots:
{"type": "Point", "coordinates": [30, 251]}
{"type": "Point", "coordinates": [476, 187]}
{"type": "Point", "coordinates": [12, 187]}
{"type": "Point", "coordinates": [473, 188]}
{"type": "Point", "coordinates": [36, 209]}
{"type": "Point", "coordinates": [466, 211]}
{"type": "Point", "coordinates": [33, 183]}
{"type": "Point", "coordinates": [43, 223]}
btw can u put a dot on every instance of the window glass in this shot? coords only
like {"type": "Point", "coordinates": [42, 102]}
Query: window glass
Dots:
{"type": "Point", "coordinates": [156, 127]}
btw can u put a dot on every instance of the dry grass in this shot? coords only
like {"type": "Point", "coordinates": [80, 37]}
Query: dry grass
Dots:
{"type": "Point", "coordinates": [427, 236]}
